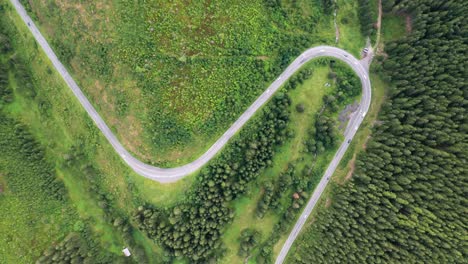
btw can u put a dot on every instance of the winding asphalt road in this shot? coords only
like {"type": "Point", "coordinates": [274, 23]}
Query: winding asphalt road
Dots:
{"type": "Point", "coordinates": [173, 174]}
{"type": "Point", "coordinates": [351, 129]}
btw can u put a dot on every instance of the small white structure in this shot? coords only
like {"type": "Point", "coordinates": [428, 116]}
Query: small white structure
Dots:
{"type": "Point", "coordinates": [126, 252]}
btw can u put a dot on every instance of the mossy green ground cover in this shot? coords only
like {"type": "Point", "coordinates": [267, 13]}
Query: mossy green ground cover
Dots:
{"type": "Point", "coordinates": [171, 77]}
{"type": "Point", "coordinates": [31, 217]}
{"type": "Point", "coordinates": [30, 220]}
{"type": "Point", "coordinates": [59, 123]}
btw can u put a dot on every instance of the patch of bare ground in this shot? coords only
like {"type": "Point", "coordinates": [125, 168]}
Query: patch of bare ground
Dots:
{"type": "Point", "coordinates": [308, 223]}
{"type": "Point", "coordinates": [101, 96]}
{"type": "Point", "coordinates": [379, 18]}
{"type": "Point", "coordinates": [174, 154]}
{"type": "Point", "coordinates": [364, 146]}
{"type": "Point", "coordinates": [132, 138]}
{"type": "Point", "coordinates": [346, 114]}
{"type": "Point", "coordinates": [44, 26]}
{"type": "Point", "coordinates": [179, 153]}
{"type": "Point", "coordinates": [328, 202]}
{"type": "Point", "coordinates": [263, 58]}
{"type": "Point", "coordinates": [131, 129]}
{"type": "Point", "coordinates": [380, 51]}
{"type": "Point", "coordinates": [85, 17]}
{"type": "Point", "coordinates": [408, 24]}
{"type": "Point", "coordinates": [351, 168]}
{"type": "Point", "coordinates": [81, 16]}
{"type": "Point", "coordinates": [377, 122]}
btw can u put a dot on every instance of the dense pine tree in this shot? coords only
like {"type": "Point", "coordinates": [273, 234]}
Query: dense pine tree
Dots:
{"type": "Point", "coordinates": [406, 202]}
{"type": "Point", "coordinates": [193, 229]}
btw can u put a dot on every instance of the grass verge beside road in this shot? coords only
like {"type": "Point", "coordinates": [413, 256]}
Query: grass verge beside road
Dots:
{"type": "Point", "coordinates": [350, 38]}
{"type": "Point", "coordinates": [59, 123]}
{"type": "Point", "coordinates": [310, 93]}
{"type": "Point", "coordinates": [341, 175]}
{"type": "Point", "coordinates": [169, 77]}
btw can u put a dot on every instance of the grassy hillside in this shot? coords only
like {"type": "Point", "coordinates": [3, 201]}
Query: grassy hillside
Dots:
{"type": "Point", "coordinates": [103, 193]}
{"type": "Point", "coordinates": [33, 212]}
{"type": "Point", "coordinates": [170, 77]}
{"type": "Point", "coordinates": [37, 211]}
{"type": "Point", "coordinates": [75, 153]}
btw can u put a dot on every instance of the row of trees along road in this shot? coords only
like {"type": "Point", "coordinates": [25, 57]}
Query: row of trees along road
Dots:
{"type": "Point", "coordinates": [406, 202]}
{"type": "Point", "coordinates": [193, 228]}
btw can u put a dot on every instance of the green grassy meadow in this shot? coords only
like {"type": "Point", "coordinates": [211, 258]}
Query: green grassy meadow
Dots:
{"type": "Point", "coordinates": [195, 75]}
{"type": "Point", "coordinates": [60, 125]}
{"type": "Point", "coordinates": [350, 38]}
{"type": "Point", "coordinates": [393, 27]}
{"type": "Point", "coordinates": [171, 77]}
{"type": "Point", "coordinates": [29, 220]}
